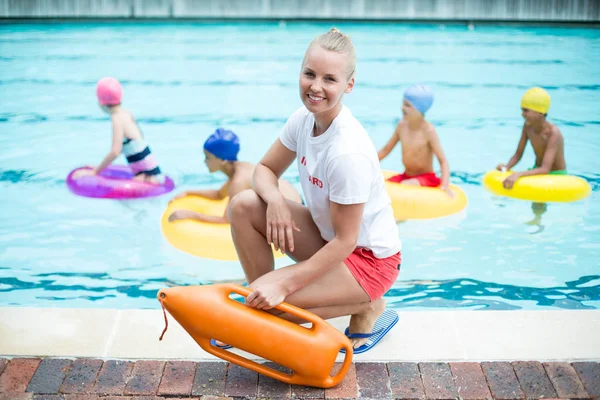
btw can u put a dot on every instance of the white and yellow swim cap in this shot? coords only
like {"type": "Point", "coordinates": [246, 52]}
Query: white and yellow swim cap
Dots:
{"type": "Point", "coordinates": [536, 99]}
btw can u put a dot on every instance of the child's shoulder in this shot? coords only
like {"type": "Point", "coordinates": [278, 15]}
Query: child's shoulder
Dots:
{"type": "Point", "coordinates": [553, 127]}
{"type": "Point", "coordinates": [122, 114]}
{"type": "Point", "coordinates": [554, 131]}
{"type": "Point", "coordinates": [401, 126]}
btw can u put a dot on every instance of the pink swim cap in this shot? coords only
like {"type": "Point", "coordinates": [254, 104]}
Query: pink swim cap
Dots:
{"type": "Point", "coordinates": [109, 91]}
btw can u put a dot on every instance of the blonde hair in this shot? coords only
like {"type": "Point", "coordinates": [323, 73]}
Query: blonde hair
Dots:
{"type": "Point", "coordinates": [334, 40]}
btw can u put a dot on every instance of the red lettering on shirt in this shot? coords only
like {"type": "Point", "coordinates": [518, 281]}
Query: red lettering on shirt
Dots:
{"type": "Point", "coordinates": [315, 181]}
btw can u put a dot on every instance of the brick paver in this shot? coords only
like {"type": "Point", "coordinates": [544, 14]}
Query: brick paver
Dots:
{"type": "Point", "coordinates": [502, 381]}
{"type": "Point", "coordinates": [348, 388]}
{"type": "Point", "coordinates": [178, 378]}
{"type": "Point", "coordinates": [16, 396]}
{"type": "Point", "coordinates": [3, 362]}
{"type": "Point", "coordinates": [85, 397]}
{"type": "Point", "coordinates": [589, 374]}
{"type": "Point", "coordinates": [565, 380]}
{"type": "Point", "coordinates": [82, 376]}
{"type": "Point", "coordinates": [145, 378]}
{"type": "Point", "coordinates": [469, 381]}
{"type": "Point", "coordinates": [438, 381]}
{"type": "Point", "coordinates": [270, 388]}
{"type": "Point", "coordinates": [373, 381]}
{"type": "Point", "coordinates": [241, 382]}
{"type": "Point", "coordinates": [113, 377]}
{"type": "Point", "coordinates": [307, 392]}
{"type": "Point", "coordinates": [405, 381]}
{"type": "Point", "coordinates": [49, 376]}
{"type": "Point", "coordinates": [17, 374]}
{"type": "Point", "coordinates": [210, 379]}
{"type": "Point", "coordinates": [533, 379]}
{"type": "Point", "coordinates": [88, 379]}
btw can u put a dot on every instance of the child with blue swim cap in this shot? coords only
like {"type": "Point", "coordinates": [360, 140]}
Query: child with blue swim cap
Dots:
{"type": "Point", "coordinates": [221, 151]}
{"type": "Point", "coordinates": [419, 142]}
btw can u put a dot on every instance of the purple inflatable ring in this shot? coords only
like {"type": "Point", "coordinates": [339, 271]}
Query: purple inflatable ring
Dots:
{"type": "Point", "coordinates": [115, 182]}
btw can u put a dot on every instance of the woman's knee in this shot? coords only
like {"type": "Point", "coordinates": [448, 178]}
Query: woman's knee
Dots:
{"type": "Point", "coordinates": [243, 205]}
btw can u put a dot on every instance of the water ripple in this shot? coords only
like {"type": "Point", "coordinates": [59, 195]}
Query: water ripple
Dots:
{"type": "Point", "coordinates": [457, 177]}
{"type": "Point", "coordinates": [270, 58]}
{"type": "Point", "coordinates": [452, 293]}
{"type": "Point", "coordinates": [471, 293]}
{"type": "Point", "coordinates": [293, 83]}
{"type": "Point", "coordinates": [210, 118]}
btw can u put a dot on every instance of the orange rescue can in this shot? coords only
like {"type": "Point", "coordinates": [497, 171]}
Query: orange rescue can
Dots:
{"type": "Point", "coordinates": [208, 312]}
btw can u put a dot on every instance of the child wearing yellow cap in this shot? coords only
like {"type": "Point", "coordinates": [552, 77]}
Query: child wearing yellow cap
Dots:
{"type": "Point", "coordinates": [545, 138]}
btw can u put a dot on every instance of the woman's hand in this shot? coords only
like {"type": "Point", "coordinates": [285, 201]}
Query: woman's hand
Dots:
{"type": "Point", "coordinates": [265, 296]}
{"type": "Point", "coordinates": [280, 225]}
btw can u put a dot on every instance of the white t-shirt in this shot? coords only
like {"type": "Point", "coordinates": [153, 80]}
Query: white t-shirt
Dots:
{"type": "Point", "coordinates": [341, 165]}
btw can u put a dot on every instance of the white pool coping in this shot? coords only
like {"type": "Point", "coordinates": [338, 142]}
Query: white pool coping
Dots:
{"type": "Point", "coordinates": [419, 336]}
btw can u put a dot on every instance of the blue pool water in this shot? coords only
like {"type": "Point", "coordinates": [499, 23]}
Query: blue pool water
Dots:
{"type": "Point", "coordinates": [184, 80]}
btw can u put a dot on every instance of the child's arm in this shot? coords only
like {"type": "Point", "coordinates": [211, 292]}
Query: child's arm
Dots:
{"type": "Point", "coordinates": [232, 187]}
{"type": "Point", "coordinates": [436, 146]}
{"type": "Point", "coordinates": [518, 154]}
{"type": "Point", "coordinates": [117, 145]}
{"type": "Point", "coordinates": [389, 146]}
{"type": "Point", "coordinates": [211, 194]}
{"type": "Point", "coordinates": [547, 162]}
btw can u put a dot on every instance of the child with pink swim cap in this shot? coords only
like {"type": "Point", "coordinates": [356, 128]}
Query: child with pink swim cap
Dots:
{"type": "Point", "coordinates": [126, 138]}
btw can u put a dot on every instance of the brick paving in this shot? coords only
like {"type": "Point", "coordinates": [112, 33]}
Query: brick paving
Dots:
{"type": "Point", "coordinates": [93, 379]}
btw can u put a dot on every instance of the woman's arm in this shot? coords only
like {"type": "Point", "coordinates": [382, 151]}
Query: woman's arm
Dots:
{"type": "Point", "coordinates": [271, 289]}
{"type": "Point", "coordinates": [265, 181]}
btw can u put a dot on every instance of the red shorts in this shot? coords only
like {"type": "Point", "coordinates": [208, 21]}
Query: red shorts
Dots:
{"type": "Point", "coordinates": [428, 179]}
{"type": "Point", "coordinates": [375, 275]}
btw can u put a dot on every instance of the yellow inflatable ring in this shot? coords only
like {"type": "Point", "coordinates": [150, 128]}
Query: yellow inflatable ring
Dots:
{"type": "Point", "coordinates": [539, 188]}
{"type": "Point", "coordinates": [200, 238]}
{"type": "Point", "coordinates": [417, 202]}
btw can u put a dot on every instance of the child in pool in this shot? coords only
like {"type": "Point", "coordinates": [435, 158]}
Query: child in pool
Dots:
{"type": "Point", "coordinates": [126, 136]}
{"type": "Point", "coordinates": [547, 142]}
{"type": "Point", "coordinates": [220, 150]}
{"type": "Point", "coordinates": [419, 142]}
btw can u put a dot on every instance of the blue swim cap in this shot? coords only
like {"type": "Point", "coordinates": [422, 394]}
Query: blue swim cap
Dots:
{"type": "Point", "coordinates": [223, 144]}
{"type": "Point", "coordinates": [420, 96]}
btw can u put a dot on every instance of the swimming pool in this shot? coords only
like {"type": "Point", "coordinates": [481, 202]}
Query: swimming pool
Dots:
{"type": "Point", "coordinates": [182, 80]}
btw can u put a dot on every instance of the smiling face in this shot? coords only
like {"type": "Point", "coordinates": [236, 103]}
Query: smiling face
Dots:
{"type": "Point", "coordinates": [324, 80]}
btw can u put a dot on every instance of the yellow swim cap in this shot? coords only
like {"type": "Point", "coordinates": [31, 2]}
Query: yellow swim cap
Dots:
{"type": "Point", "coordinates": [536, 99]}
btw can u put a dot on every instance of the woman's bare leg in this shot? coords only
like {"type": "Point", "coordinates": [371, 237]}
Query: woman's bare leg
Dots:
{"type": "Point", "coordinates": [247, 215]}
{"type": "Point", "coordinates": [334, 294]}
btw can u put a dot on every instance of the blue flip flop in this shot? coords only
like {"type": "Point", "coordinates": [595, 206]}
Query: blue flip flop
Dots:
{"type": "Point", "coordinates": [384, 323]}
{"type": "Point", "coordinates": [214, 343]}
